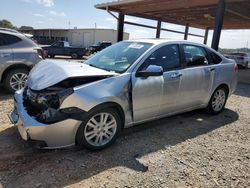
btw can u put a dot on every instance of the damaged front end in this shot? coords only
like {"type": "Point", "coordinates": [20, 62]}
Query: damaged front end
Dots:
{"type": "Point", "coordinates": [44, 105]}
{"type": "Point", "coordinates": [42, 111]}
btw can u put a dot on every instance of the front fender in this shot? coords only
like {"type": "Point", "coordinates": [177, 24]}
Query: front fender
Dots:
{"type": "Point", "coordinates": [115, 89]}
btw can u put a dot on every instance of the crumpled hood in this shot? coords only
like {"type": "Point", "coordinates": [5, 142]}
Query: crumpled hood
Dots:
{"type": "Point", "coordinates": [48, 73]}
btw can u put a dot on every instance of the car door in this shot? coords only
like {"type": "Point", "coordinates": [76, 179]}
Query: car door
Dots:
{"type": "Point", "coordinates": [155, 96]}
{"type": "Point", "coordinates": [57, 48]}
{"type": "Point", "coordinates": [197, 77]}
{"type": "Point", "coordinates": [6, 52]}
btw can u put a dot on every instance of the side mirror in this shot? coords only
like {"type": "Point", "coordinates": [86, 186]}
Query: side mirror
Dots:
{"type": "Point", "coordinates": [152, 70]}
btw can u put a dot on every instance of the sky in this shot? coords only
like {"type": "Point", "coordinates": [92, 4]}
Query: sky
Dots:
{"type": "Point", "coordinates": [83, 14]}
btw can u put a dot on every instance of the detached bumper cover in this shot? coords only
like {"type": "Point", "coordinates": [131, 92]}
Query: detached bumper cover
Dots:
{"type": "Point", "coordinates": [56, 135]}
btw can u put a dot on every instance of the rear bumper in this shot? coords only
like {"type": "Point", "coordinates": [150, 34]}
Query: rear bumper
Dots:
{"type": "Point", "coordinates": [56, 135]}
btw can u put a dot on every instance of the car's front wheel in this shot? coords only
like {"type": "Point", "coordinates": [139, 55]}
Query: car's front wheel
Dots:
{"type": "Point", "coordinates": [217, 101]}
{"type": "Point", "coordinates": [99, 130]}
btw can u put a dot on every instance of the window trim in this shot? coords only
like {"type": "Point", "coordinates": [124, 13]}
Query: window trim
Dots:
{"type": "Point", "coordinates": [184, 59]}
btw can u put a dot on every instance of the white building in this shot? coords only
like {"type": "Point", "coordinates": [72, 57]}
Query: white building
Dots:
{"type": "Point", "coordinates": [76, 37]}
{"type": "Point", "coordinates": [86, 37]}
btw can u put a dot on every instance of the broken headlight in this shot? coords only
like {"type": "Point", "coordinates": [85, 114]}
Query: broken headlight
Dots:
{"type": "Point", "coordinates": [44, 105]}
{"type": "Point", "coordinates": [51, 99]}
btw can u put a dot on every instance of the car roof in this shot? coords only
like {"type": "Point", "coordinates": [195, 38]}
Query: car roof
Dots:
{"type": "Point", "coordinates": [11, 32]}
{"type": "Point", "coordinates": [162, 41]}
{"type": "Point", "coordinates": [8, 30]}
{"type": "Point", "coordinates": [157, 42]}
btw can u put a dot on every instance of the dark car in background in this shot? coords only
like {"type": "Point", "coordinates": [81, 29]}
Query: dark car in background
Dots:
{"type": "Point", "coordinates": [18, 54]}
{"type": "Point", "coordinates": [64, 49]}
{"type": "Point", "coordinates": [99, 46]}
{"type": "Point", "coordinates": [241, 58]}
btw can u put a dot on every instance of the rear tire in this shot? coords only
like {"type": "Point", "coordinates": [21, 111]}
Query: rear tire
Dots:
{"type": "Point", "coordinates": [74, 56]}
{"type": "Point", "coordinates": [99, 130]}
{"type": "Point", "coordinates": [15, 79]}
{"type": "Point", "coordinates": [217, 101]}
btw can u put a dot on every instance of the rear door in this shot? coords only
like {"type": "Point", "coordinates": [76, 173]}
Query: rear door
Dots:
{"type": "Point", "coordinates": [6, 52]}
{"type": "Point", "coordinates": [57, 48]}
{"type": "Point", "coordinates": [197, 77]}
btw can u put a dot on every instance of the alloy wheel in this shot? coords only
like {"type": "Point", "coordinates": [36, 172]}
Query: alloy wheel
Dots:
{"type": "Point", "coordinates": [100, 129]}
{"type": "Point", "coordinates": [219, 100]}
{"type": "Point", "coordinates": [17, 81]}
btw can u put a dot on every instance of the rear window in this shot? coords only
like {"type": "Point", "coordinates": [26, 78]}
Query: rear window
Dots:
{"type": "Point", "coordinates": [10, 39]}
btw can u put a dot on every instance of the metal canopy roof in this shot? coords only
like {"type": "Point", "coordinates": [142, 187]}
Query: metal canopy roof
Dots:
{"type": "Point", "coordinates": [197, 13]}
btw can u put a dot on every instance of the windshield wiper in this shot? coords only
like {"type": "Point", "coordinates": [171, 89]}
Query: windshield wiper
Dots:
{"type": "Point", "coordinates": [97, 67]}
{"type": "Point", "coordinates": [93, 66]}
{"type": "Point", "coordinates": [100, 68]}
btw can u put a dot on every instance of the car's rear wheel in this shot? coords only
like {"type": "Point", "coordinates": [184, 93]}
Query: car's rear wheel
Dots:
{"type": "Point", "coordinates": [217, 101]}
{"type": "Point", "coordinates": [74, 56]}
{"type": "Point", "coordinates": [99, 130]}
{"type": "Point", "coordinates": [15, 79]}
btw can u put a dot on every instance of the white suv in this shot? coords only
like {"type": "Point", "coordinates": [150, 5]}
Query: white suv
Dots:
{"type": "Point", "coordinates": [242, 58]}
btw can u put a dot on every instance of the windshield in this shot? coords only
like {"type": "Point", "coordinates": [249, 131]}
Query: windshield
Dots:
{"type": "Point", "coordinates": [118, 57]}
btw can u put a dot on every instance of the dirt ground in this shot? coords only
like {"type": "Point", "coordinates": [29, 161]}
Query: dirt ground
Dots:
{"type": "Point", "coordinates": [188, 150]}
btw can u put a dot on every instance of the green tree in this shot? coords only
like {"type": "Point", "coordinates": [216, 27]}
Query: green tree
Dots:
{"type": "Point", "coordinates": [23, 28]}
{"type": "Point", "coordinates": [7, 24]}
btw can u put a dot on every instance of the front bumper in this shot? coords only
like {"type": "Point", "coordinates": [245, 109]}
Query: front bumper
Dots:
{"type": "Point", "coordinates": [56, 135]}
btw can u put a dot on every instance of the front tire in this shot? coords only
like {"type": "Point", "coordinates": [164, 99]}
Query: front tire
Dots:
{"type": "Point", "coordinates": [15, 79]}
{"type": "Point", "coordinates": [99, 130]}
{"type": "Point", "coordinates": [217, 101]}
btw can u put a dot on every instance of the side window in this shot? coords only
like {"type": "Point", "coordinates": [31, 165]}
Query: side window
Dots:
{"type": "Point", "coordinates": [61, 44]}
{"type": "Point", "coordinates": [167, 57]}
{"type": "Point", "coordinates": [195, 55]}
{"type": "Point", "coordinates": [57, 44]}
{"type": "Point", "coordinates": [215, 58]}
{"type": "Point", "coordinates": [2, 41]}
{"type": "Point", "coordinates": [10, 39]}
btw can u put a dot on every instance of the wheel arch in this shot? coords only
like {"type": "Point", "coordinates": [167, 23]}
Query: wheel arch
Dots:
{"type": "Point", "coordinates": [223, 85]}
{"type": "Point", "coordinates": [104, 105]}
{"type": "Point", "coordinates": [13, 67]}
{"type": "Point", "coordinates": [111, 105]}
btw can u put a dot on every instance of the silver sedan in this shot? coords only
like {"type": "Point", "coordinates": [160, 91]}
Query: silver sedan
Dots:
{"type": "Point", "coordinates": [89, 104]}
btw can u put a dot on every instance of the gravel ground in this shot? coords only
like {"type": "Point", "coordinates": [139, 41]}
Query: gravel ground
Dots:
{"type": "Point", "coordinates": [188, 150]}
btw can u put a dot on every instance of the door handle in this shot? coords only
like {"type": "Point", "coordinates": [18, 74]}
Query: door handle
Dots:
{"type": "Point", "coordinates": [176, 75]}
{"type": "Point", "coordinates": [5, 55]}
{"type": "Point", "coordinates": [212, 69]}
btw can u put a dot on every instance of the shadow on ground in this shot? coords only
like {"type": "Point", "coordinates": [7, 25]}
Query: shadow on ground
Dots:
{"type": "Point", "coordinates": [243, 89]}
{"type": "Point", "coordinates": [244, 76]}
{"type": "Point", "coordinates": [4, 95]}
{"type": "Point", "coordinates": [27, 166]}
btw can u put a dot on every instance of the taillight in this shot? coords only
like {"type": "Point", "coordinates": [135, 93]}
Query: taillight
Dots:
{"type": "Point", "coordinates": [41, 53]}
{"type": "Point", "coordinates": [236, 68]}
